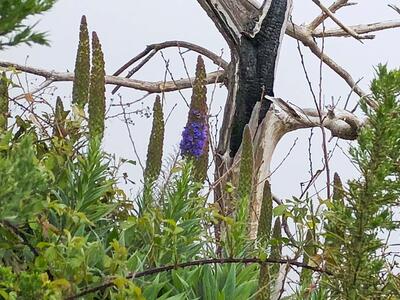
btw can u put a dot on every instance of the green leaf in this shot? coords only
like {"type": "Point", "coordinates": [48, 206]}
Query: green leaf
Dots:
{"type": "Point", "coordinates": [279, 210]}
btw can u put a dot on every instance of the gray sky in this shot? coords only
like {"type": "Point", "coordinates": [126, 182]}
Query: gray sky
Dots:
{"type": "Point", "coordinates": [126, 27]}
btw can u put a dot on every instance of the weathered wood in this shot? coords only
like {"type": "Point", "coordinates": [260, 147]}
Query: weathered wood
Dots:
{"type": "Point", "coordinates": [258, 58]}
{"type": "Point", "coordinates": [230, 17]}
{"type": "Point", "coordinates": [254, 35]}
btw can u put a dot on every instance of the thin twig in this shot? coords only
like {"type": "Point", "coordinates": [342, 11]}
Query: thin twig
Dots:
{"type": "Point", "coordinates": [172, 77]}
{"type": "Point", "coordinates": [324, 140]}
{"type": "Point", "coordinates": [126, 121]}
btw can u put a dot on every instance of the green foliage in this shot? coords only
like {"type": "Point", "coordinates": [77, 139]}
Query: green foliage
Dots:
{"type": "Point", "coordinates": [55, 226]}
{"type": "Point", "coordinates": [366, 208]}
{"type": "Point", "coordinates": [87, 191]}
{"type": "Point", "coordinates": [13, 14]}
{"type": "Point", "coordinates": [80, 89]}
{"type": "Point", "coordinates": [4, 102]}
{"type": "Point", "coordinates": [23, 181]}
{"type": "Point", "coordinates": [156, 143]}
{"type": "Point", "coordinates": [97, 104]}
{"type": "Point", "coordinates": [168, 226]}
{"type": "Point", "coordinates": [222, 282]}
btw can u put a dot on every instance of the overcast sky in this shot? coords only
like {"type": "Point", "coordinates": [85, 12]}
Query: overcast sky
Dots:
{"type": "Point", "coordinates": [125, 27]}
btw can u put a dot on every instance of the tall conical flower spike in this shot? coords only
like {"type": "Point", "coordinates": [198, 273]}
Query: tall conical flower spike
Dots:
{"type": "Point", "coordinates": [155, 148]}
{"type": "Point", "coordinates": [334, 231]}
{"type": "Point", "coordinates": [309, 252]}
{"type": "Point", "coordinates": [263, 234]}
{"type": "Point", "coordinates": [338, 193]}
{"type": "Point", "coordinates": [80, 88]}
{"type": "Point", "coordinates": [265, 223]}
{"type": "Point", "coordinates": [194, 143]}
{"type": "Point", "coordinates": [245, 177]}
{"type": "Point", "coordinates": [4, 102]}
{"type": "Point", "coordinates": [97, 102]}
{"type": "Point", "coordinates": [59, 119]}
{"type": "Point", "coordinates": [276, 248]}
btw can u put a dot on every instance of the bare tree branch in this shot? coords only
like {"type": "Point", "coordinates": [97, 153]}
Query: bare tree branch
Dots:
{"type": "Point", "coordinates": [340, 123]}
{"type": "Point", "coordinates": [333, 8]}
{"type": "Point", "coordinates": [337, 21]}
{"type": "Point", "coordinates": [152, 49]}
{"type": "Point", "coordinates": [150, 87]}
{"type": "Point", "coordinates": [215, 58]}
{"type": "Point", "coordinates": [301, 34]}
{"type": "Point", "coordinates": [359, 29]}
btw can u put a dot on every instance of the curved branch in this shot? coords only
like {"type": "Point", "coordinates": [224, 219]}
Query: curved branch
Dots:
{"type": "Point", "coordinates": [339, 122]}
{"type": "Point", "coordinates": [202, 262]}
{"type": "Point", "coordinates": [150, 87]}
{"type": "Point", "coordinates": [152, 49]}
{"type": "Point", "coordinates": [216, 59]}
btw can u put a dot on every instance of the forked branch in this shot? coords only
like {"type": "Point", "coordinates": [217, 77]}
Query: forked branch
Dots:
{"type": "Point", "coordinates": [306, 34]}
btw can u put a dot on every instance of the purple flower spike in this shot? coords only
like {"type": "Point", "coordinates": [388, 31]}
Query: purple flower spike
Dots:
{"type": "Point", "coordinates": [194, 138]}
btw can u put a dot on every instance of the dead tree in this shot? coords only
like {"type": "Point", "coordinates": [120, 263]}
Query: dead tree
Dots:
{"type": "Point", "coordinates": [254, 34]}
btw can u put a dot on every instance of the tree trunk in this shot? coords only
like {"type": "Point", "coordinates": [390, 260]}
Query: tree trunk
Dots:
{"type": "Point", "coordinates": [254, 36]}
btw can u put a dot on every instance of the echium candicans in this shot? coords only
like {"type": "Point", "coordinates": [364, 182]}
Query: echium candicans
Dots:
{"type": "Point", "coordinates": [80, 88]}
{"type": "Point", "coordinates": [194, 144]}
{"type": "Point", "coordinates": [195, 133]}
{"type": "Point", "coordinates": [97, 100]}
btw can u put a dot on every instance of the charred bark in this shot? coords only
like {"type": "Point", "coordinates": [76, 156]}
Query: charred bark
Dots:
{"type": "Point", "coordinates": [258, 57]}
